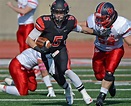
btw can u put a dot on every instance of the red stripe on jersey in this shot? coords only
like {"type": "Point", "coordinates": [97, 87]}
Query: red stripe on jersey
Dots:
{"type": "Point", "coordinates": [75, 23]}
{"type": "Point", "coordinates": [32, 2]}
{"type": "Point", "coordinates": [127, 31]}
{"type": "Point", "coordinates": [40, 24]}
{"type": "Point", "coordinates": [100, 7]}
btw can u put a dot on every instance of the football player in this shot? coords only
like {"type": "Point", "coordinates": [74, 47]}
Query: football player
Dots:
{"type": "Point", "coordinates": [22, 73]}
{"type": "Point", "coordinates": [110, 30]}
{"type": "Point", "coordinates": [55, 28]}
{"type": "Point", "coordinates": [25, 10]}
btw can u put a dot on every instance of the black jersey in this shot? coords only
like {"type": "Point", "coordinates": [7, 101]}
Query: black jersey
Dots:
{"type": "Point", "coordinates": [57, 36]}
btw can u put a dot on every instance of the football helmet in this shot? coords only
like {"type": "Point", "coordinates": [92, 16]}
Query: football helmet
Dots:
{"type": "Point", "coordinates": [105, 14]}
{"type": "Point", "coordinates": [59, 7]}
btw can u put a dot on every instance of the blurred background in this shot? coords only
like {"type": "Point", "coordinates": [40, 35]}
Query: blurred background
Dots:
{"type": "Point", "coordinates": [81, 9]}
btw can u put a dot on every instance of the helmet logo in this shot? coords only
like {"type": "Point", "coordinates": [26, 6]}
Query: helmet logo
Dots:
{"type": "Point", "coordinates": [110, 11]}
{"type": "Point", "coordinates": [65, 5]}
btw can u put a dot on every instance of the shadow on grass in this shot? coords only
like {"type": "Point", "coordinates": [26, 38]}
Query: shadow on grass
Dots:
{"type": "Point", "coordinates": [51, 104]}
{"type": "Point", "coordinates": [121, 103]}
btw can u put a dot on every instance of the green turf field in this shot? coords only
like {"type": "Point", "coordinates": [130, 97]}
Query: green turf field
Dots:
{"type": "Point", "coordinates": [38, 98]}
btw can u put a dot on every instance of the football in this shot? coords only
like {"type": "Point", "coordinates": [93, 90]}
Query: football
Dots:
{"type": "Point", "coordinates": [41, 41]}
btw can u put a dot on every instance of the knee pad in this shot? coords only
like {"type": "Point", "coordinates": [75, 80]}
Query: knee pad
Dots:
{"type": "Point", "coordinates": [109, 77]}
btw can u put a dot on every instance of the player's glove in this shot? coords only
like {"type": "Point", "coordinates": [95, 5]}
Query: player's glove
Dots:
{"type": "Point", "coordinates": [103, 33]}
{"type": "Point", "coordinates": [41, 50]}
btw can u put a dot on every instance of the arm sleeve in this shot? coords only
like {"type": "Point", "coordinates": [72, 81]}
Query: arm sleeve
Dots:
{"type": "Point", "coordinates": [34, 34]}
{"type": "Point", "coordinates": [32, 3]}
{"type": "Point", "coordinates": [126, 29]}
{"type": "Point", "coordinates": [78, 28]}
{"type": "Point", "coordinates": [39, 25]}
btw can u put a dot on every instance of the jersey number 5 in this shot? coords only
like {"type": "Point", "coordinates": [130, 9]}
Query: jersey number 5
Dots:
{"type": "Point", "coordinates": [57, 41]}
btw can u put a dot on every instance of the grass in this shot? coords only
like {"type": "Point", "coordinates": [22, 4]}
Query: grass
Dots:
{"type": "Point", "coordinates": [38, 98]}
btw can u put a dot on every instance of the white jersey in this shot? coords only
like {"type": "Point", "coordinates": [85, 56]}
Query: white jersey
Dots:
{"type": "Point", "coordinates": [120, 29]}
{"type": "Point", "coordinates": [28, 58]}
{"type": "Point", "coordinates": [27, 18]}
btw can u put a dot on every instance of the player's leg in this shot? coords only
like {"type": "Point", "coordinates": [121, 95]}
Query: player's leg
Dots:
{"type": "Point", "coordinates": [79, 85]}
{"type": "Point", "coordinates": [112, 60]}
{"type": "Point", "coordinates": [20, 38]}
{"type": "Point", "coordinates": [27, 29]}
{"type": "Point", "coordinates": [99, 71]}
{"type": "Point", "coordinates": [32, 83]}
{"type": "Point", "coordinates": [58, 73]}
{"type": "Point", "coordinates": [19, 76]}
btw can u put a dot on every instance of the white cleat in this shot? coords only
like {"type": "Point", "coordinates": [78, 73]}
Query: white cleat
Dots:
{"type": "Point", "coordinates": [1, 87]}
{"type": "Point", "coordinates": [51, 92]}
{"type": "Point", "coordinates": [9, 81]}
{"type": "Point", "coordinates": [88, 100]}
{"type": "Point", "coordinates": [68, 94]}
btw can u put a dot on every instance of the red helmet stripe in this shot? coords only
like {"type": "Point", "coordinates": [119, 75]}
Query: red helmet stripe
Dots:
{"type": "Point", "coordinates": [100, 7]}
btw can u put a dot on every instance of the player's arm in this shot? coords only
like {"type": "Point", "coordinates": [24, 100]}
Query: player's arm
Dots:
{"type": "Point", "coordinates": [128, 40]}
{"type": "Point", "coordinates": [23, 11]}
{"type": "Point", "coordinates": [34, 34]}
{"type": "Point", "coordinates": [82, 27]}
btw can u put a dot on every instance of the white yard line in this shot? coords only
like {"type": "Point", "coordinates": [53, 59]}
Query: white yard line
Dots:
{"type": "Point", "coordinates": [76, 99]}
{"type": "Point", "coordinates": [75, 90]}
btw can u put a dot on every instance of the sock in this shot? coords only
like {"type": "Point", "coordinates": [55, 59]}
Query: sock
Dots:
{"type": "Point", "coordinates": [47, 81]}
{"type": "Point", "coordinates": [50, 89]}
{"type": "Point", "coordinates": [74, 78]}
{"type": "Point", "coordinates": [84, 93]}
{"type": "Point", "coordinates": [104, 90]}
{"type": "Point", "coordinates": [12, 90]}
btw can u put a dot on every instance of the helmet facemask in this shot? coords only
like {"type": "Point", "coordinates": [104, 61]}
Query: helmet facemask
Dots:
{"type": "Point", "coordinates": [59, 16]}
{"type": "Point", "coordinates": [102, 21]}
{"type": "Point", "coordinates": [59, 11]}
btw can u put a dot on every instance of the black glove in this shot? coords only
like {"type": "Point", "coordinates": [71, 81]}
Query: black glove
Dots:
{"type": "Point", "coordinates": [44, 49]}
{"type": "Point", "coordinates": [37, 49]}
{"type": "Point", "coordinates": [41, 50]}
{"type": "Point", "coordinates": [104, 33]}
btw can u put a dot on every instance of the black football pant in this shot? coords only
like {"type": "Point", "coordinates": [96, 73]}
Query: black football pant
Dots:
{"type": "Point", "coordinates": [61, 63]}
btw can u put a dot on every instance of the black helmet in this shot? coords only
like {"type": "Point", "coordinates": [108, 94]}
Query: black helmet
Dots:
{"type": "Point", "coordinates": [105, 14]}
{"type": "Point", "coordinates": [59, 6]}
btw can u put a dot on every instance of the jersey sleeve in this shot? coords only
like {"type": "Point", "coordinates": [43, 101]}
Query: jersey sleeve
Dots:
{"type": "Point", "coordinates": [39, 25]}
{"type": "Point", "coordinates": [90, 21]}
{"type": "Point", "coordinates": [75, 24]}
{"type": "Point", "coordinates": [32, 3]}
{"type": "Point", "coordinates": [73, 20]}
{"type": "Point", "coordinates": [126, 29]}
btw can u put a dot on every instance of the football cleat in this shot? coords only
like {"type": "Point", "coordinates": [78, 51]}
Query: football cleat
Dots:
{"type": "Point", "coordinates": [100, 99]}
{"type": "Point", "coordinates": [88, 100]}
{"type": "Point", "coordinates": [112, 89]}
{"type": "Point", "coordinates": [68, 94]}
{"type": "Point", "coordinates": [2, 88]}
{"type": "Point", "coordinates": [9, 81]}
{"type": "Point", "coordinates": [51, 92]}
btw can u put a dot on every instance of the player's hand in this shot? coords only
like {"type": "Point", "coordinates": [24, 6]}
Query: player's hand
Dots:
{"type": "Point", "coordinates": [44, 49]}
{"type": "Point", "coordinates": [9, 4]}
{"type": "Point", "coordinates": [41, 50]}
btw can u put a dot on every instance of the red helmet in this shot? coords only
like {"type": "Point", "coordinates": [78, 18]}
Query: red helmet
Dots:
{"type": "Point", "coordinates": [105, 14]}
